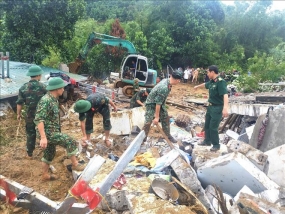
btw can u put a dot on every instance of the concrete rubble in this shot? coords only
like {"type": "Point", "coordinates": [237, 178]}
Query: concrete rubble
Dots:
{"type": "Point", "coordinates": [251, 180]}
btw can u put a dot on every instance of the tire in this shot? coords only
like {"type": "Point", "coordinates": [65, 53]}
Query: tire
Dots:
{"type": "Point", "coordinates": [119, 84]}
{"type": "Point", "coordinates": [128, 90]}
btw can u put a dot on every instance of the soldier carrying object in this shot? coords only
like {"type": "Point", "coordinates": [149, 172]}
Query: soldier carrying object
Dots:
{"type": "Point", "coordinates": [155, 104]}
{"type": "Point", "coordinates": [87, 108]}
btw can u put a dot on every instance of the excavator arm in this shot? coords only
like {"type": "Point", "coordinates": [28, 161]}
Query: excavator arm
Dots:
{"type": "Point", "coordinates": [95, 39]}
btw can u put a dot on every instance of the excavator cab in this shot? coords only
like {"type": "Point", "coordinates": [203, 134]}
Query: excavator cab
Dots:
{"type": "Point", "coordinates": [140, 71]}
{"type": "Point", "coordinates": [147, 77]}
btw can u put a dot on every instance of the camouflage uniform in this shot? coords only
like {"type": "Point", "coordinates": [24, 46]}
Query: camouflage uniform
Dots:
{"type": "Point", "coordinates": [30, 94]}
{"type": "Point", "coordinates": [158, 95]}
{"type": "Point", "coordinates": [217, 90]}
{"type": "Point", "coordinates": [136, 87]}
{"type": "Point", "coordinates": [99, 103]}
{"type": "Point", "coordinates": [138, 96]}
{"type": "Point", "coordinates": [48, 113]}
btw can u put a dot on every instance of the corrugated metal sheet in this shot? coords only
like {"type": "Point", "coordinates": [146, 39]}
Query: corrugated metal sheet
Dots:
{"type": "Point", "coordinates": [9, 87]}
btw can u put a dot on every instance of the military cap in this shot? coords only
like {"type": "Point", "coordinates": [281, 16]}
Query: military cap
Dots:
{"type": "Point", "coordinates": [34, 70]}
{"type": "Point", "coordinates": [82, 106]}
{"type": "Point", "coordinates": [55, 83]}
{"type": "Point", "coordinates": [177, 74]}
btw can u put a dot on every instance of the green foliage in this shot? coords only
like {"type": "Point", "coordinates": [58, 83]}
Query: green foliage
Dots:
{"type": "Point", "coordinates": [246, 84]}
{"type": "Point", "coordinates": [269, 67]}
{"type": "Point", "coordinates": [33, 26]}
{"type": "Point", "coordinates": [178, 33]}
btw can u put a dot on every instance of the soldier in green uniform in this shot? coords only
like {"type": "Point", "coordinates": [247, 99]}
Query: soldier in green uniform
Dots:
{"type": "Point", "coordinates": [136, 86]}
{"type": "Point", "coordinates": [139, 98]}
{"type": "Point", "coordinates": [218, 107]}
{"type": "Point", "coordinates": [87, 108]}
{"type": "Point", "coordinates": [155, 104]}
{"type": "Point", "coordinates": [30, 94]}
{"type": "Point", "coordinates": [47, 120]}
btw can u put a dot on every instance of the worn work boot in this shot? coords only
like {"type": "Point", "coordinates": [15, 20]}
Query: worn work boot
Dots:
{"type": "Point", "coordinates": [78, 167]}
{"type": "Point", "coordinates": [214, 149]}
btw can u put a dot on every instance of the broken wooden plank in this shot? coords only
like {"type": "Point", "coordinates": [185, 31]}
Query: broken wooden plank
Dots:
{"type": "Point", "coordinates": [179, 105]}
{"type": "Point", "coordinates": [191, 193]}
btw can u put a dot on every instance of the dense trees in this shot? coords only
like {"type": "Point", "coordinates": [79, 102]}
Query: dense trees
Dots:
{"type": "Point", "coordinates": [33, 27]}
{"type": "Point", "coordinates": [245, 36]}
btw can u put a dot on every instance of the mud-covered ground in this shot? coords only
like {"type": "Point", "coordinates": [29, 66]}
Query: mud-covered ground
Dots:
{"type": "Point", "coordinates": [15, 166]}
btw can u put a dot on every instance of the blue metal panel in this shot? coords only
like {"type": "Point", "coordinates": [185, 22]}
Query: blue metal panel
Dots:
{"type": "Point", "coordinates": [9, 87]}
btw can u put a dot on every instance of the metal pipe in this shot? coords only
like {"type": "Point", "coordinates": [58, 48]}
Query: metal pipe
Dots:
{"type": "Point", "coordinates": [8, 67]}
{"type": "Point", "coordinates": [2, 63]}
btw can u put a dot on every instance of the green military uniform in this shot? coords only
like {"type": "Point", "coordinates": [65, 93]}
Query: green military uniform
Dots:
{"type": "Point", "coordinates": [30, 94]}
{"type": "Point", "coordinates": [138, 96]}
{"type": "Point", "coordinates": [48, 113]}
{"type": "Point", "coordinates": [158, 95]}
{"type": "Point", "coordinates": [99, 103]}
{"type": "Point", "coordinates": [217, 90]}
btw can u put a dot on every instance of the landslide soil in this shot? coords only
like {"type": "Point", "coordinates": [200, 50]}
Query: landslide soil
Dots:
{"type": "Point", "coordinates": [15, 166]}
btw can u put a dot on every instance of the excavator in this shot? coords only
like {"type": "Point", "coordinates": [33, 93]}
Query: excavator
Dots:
{"type": "Point", "coordinates": [133, 65]}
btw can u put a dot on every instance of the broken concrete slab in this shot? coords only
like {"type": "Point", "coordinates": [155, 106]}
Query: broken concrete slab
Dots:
{"type": "Point", "coordinates": [179, 133]}
{"type": "Point", "coordinates": [123, 121]}
{"type": "Point", "coordinates": [231, 172]}
{"type": "Point", "coordinates": [274, 135]}
{"type": "Point", "coordinates": [256, 204]}
{"type": "Point", "coordinates": [257, 157]}
{"type": "Point", "coordinates": [244, 189]}
{"type": "Point", "coordinates": [188, 177]}
{"type": "Point", "coordinates": [202, 154]}
{"type": "Point", "coordinates": [271, 195]}
{"type": "Point", "coordinates": [275, 165]}
{"type": "Point", "coordinates": [248, 109]}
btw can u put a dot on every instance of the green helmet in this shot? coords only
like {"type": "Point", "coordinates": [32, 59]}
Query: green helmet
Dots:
{"type": "Point", "coordinates": [177, 74]}
{"type": "Point", "coordinates": [82, 106]}
{"type": "Point", "coordinates": [55, 83]}
{"type": "Point", "coordinates": [34, 70]}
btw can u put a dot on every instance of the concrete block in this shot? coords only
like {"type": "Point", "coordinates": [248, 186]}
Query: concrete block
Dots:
{"type": "Point", "coordinates": [257, 157]}
{"type": "Point", "coordinates": [271, 195]}
{"type": "Point", "coordinates": [246, 190]}
{"type": "Point", "coordinates": [275, 169]}
{"type": "Point", "coordinates": [262, 205]}
{"type": "Point", "coordinates": [231, 172]}
{"type": "Point", "coordinates": [253, 110]}
{"type": "Point", "coordinates": [202, 154]}
{"type": "Point", "coordinates": [188, 177]}
{"type": "Point", "coordinates": [123, 121]}
{"type": "Point", "coordinates": [274, 135]}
